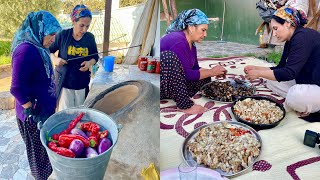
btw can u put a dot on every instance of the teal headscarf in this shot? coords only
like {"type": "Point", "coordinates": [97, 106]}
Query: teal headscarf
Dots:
{"type": "Point", "coordinates": [186, 18]}
{"type": "Point", "coordinates": [34, 28]}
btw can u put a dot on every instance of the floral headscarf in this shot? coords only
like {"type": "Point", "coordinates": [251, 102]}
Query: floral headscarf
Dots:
{"type": "Point", "coordinates": [80, 11]}
{"type": "Point", "coordinates": [293, 16]}
{"type": "Point", "coordinates": [187, 17]}
{"type": "Point", "coordinates": [34, 28]}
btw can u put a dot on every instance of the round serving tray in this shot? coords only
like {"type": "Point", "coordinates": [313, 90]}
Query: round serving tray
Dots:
{"type": "Point", "coordinates": [244, 84]}
{"type": "Point", "coordinates": [186, 154]}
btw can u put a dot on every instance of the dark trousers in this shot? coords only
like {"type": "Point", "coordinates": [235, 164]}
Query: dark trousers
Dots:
{"type": "Point", "coordinates": [173, 84]}
{"type": "Point", "coordinates": [37, 156]}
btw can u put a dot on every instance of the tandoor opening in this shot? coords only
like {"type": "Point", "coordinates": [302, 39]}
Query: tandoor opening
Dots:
{"type": "Point", "coordinates": [117, 99]}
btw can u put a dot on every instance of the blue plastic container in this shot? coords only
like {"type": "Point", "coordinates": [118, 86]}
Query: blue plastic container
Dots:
{"type": "Point", "coordinates": [79, 168]}
{"type": "Point", "coordinates": [108, 63]}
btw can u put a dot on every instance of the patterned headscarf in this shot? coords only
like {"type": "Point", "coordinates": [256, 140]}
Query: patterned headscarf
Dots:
{"type": "Point", "coordinates": [187, 17]}
{"type": "Point", "coordinates": [80, 11]}
{"type": "Point", "coordinates": [293, 16]}
{"type": "Point", "coordinates": [34, 28]}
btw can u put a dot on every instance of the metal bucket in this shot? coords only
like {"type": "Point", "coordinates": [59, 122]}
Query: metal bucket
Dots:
{"type": "Point", "coordinates": [78, 168]}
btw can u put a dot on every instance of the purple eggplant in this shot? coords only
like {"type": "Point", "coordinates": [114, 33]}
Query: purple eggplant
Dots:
{"type": "Point", "coordinates": [104, 145]}
{"type": "Point", "coordinates": [90, 152]}
{"type": "Point", "coordinates": [88, 133]}
{"type": "Point", "coordinates": [77, 147]}
{"type": "Point", "coordinates": [77, 131]}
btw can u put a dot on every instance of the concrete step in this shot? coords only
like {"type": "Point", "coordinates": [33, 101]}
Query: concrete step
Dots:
{"type": "Point", "coordinates": [7, 100]}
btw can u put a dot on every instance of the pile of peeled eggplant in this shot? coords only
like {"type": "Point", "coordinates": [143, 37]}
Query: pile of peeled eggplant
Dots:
{"type": "Point", "coordinates": [80, 140]}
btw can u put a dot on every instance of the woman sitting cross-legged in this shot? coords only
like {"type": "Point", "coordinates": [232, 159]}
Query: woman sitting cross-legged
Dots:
{"type": "Point", "coordinates": [297, 77]}
{"type": "Point", "coordinates": [181, 77]}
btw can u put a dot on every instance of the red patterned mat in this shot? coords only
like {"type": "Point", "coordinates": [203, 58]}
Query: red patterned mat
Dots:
{"type": "Point", "coordinates": [172, 119]}
{"type": "Point", "coordinates": [283, 155]}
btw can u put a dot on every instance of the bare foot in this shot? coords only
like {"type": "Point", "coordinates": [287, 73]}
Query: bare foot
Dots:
{"type": "Point", "coordinates": [195, 109]}
{"type": "Point", "coordinates": [302, 114]}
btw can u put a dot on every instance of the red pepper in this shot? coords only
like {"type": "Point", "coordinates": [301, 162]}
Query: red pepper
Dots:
{"type": "Point", "coordinates": [103, 134]}
{"type": "Point", "coordinates": [61, 150]}
{"type": "Point", "coordinates": [239, 132]}
{"type": "Point", "coordinates": [55, 137]}
{"type": "Point", "coordinates": [93, 140]}
{"type": "Point", "coordinates": [94, 128]}
{"type": "Point", "coordinates": [72, 124]}
{"type": "Point", "coordinates": [66, 139]}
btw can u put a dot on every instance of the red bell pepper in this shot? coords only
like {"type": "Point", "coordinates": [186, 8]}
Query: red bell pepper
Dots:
{"type": "Point", "coordinates": [66, 139]}
{"type": "Point", "coordinates": [94, 128]}
{"type": "Point", "coordinates": [239, 132]}
{"type": "Point", "coordinates": [61, 150]}
{"type": "Point", "coordinates": [103, 134]}
{"type": "Point", "coordinates": [55, 137]}
{"type": "Point", "coordinates": [93, 140]}
{"type": "Point", "coordinates": [72, 124]}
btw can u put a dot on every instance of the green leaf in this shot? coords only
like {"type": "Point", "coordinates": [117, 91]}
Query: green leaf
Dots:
{"type": "Point", "coordinates": [12, 14]}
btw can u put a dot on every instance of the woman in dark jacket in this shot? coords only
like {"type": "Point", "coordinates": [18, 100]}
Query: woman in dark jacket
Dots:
{"type": "Point", "coordinates": [297, 77]}
{"type": "Point", "coordinates": [32, 84]}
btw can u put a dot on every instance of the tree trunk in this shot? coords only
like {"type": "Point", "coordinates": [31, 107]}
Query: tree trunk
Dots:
{"type": "Point", "coordinates": [173, 9]}
{"type": "Point", "coordinates": [165, 9]}
{"type": "Point", "coordinates": [107, 19]}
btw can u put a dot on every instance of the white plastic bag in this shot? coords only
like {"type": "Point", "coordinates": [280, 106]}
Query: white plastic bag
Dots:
{"type": "Point", "coordinates": [302, 5]}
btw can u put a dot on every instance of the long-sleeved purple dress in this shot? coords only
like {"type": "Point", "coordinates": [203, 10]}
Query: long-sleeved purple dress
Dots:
{"type": "Point", "coordinates": [30, 81]}
{"type": "Point", "coordinates": [180, 71]}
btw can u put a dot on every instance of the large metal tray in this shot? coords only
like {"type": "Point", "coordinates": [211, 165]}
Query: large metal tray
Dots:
{"type": "Point", "coordinates": [186, 154]}
{"type": "Point", "coordinates": [244, 84]}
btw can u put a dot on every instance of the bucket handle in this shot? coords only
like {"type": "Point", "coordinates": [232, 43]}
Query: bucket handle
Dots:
{"type": "Point", "coordinates": [119, 127]}
{"type": "Point", "coordinates": [39, 125]}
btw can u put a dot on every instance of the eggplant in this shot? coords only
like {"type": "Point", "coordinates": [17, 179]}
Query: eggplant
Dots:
{"type": "Point", "coordinates": [104, 145]}
{"type": "Point", "coordinates": [77, 147]}
{"type": "Point", "coordinates": [77, 131]}
{"type": "Point", "coordinates": [90, 152]}
{"type": "Point", "coordinates": [88, 133]}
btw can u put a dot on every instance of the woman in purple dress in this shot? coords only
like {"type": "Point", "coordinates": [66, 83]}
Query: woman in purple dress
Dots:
{"type": "Point", "coordinates": [181, 77]}
{"type": "Point", "coordinates": [32, 84]}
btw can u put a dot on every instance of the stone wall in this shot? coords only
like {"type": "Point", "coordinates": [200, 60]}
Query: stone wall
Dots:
{"type": "Point", "coordinates": [5, 70]}
{"type": "Point", "coordinates": [6, 99]}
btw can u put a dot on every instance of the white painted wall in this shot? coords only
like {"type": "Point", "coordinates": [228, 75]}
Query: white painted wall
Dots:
{"type": "Point", "coordinates": [123, 21]}
{"type": "Point", "coordinates": [128, 17]}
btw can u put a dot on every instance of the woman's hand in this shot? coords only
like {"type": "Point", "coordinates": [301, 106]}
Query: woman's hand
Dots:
{"type": "Point", "coordinates": [58, 61]}
{"type": "Point", "coordinates": [85, 65]}
{"type": "Point", "coordinates": [218, 70]}
{"type": "Point", "coordinates": [253, 74]}
{"type": "Point", "coordinates": [215, 71]}
{"type": "Point", "coordinates": [27, 105]}
{"type": "Point", "coordinates": [249, 68]}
